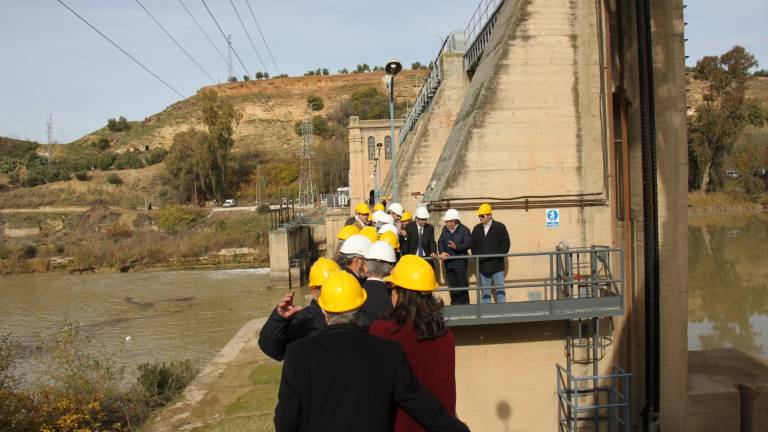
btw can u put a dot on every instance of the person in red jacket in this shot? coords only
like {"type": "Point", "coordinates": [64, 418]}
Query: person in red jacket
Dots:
{"type": "Point", "coordinates": [417, 323]}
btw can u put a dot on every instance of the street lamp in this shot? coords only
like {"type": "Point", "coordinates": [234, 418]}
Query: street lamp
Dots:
{"type": "Point", "coordinates": [393, 68]}
{"type": "Point", "coordinates": [376, 185]}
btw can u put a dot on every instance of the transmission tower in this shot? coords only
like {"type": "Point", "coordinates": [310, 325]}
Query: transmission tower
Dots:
{"type": "Point", "coordinates": [230, 69]}
{"type": "Point", "coordinates": [307, 189]}
{"type": "Point", "coordinates": [49, 126]}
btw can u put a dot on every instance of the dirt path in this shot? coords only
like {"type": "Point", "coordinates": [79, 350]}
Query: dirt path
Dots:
{"type": "Point", "coordinates": [67, 209]}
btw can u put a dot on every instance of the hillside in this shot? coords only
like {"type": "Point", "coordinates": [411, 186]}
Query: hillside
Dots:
{"type": "Point", "coordinates": [265, 136]}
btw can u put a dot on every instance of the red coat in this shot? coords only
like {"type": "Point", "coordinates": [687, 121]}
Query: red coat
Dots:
{"type": "Point", "coordinates": [433, 362]}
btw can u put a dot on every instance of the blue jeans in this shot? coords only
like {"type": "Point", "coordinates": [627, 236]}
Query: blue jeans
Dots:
{"type": "Point", "coordinates": [492, 279]}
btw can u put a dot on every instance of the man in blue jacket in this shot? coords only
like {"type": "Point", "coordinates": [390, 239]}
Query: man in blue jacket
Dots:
{"type": "Point", "coordinates": [455, 240]}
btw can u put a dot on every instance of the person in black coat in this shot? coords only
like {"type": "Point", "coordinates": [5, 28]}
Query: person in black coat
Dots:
{"type": "Point", "coordinates": [288, 323]}
{"type": "Point", "coordinates": [381, 258]}
{"type": "Point", "coordinates": [455, 240]}
{"type": "Point", "coordinates": [344, 379]}
{"type": "Point", "coordinates": [490, 237]}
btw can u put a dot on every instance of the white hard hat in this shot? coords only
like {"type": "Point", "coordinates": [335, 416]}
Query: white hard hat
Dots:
{"type": "Point", "coordinates": [451, 214]}
{"type": "Point", "coordinates": [387, 227]}
{"type": "Point", "coordinates": [422, 213]}
{"type": "Point", "coordinates": [387, 219]}
{"type": "Point", "coordinates": [356, 245]}
{"type": "Point", "coordinates": [381, 251]}
{"type": "Point", "coordinates": [396, 208]}
{"type": "Point", "coordinates": [377, 216]}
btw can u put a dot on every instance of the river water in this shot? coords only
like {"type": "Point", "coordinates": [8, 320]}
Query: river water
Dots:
{"type": "Point", "coordinates": [134, 318]}
{"type": "Point", "coordinates": [178, 315]}
{"type": "Point", "coordinates": [728, 283]}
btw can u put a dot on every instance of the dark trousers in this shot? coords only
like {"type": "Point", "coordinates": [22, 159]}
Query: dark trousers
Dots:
{"type": "Point", "coordinates": [457, 277]}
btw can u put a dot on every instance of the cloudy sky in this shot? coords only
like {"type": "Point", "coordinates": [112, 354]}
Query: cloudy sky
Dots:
{"type": "Point", "coordinates": [53, 63]}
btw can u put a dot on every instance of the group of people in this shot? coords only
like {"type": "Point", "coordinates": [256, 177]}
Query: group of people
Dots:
{"type": "Point", "coordinates": [375, 356]}
{"type": "Point", "coordinates": [417, 236]}
{"type": "Point", "coordinates": [371, 351]}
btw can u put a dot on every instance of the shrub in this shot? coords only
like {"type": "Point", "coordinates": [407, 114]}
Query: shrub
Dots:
{"type": "Point", "coordinates": [315, 103]}
{"type": "Point", "coordinates": [81, 175]}
{"type": "Point", "coordinates": [101, 144]}
{"type": "Point", "coordinates": [156, 156]}
{"type": "Point", "coordinates": [162, 382]}
{"type": "Point", "coordinates": [114, 179]}
{"type": "Point", "coordinates": [263, 208]}
{"type": "Point", "coordinates": [105, 161]}
{"type": "Point", "coordinates": [128, 160]}
{"type": "Point", "coordinates": [119, 125]}
{"type": "Point", "coordinates": [174, 219]}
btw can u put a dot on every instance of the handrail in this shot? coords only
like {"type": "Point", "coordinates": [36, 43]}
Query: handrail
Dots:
{"type": "Point", "coordinates": [483, 13]}
{"type": "Point", "coordinates": [431, 84]}
{"type": "Point", "coordinates": [576, 281]}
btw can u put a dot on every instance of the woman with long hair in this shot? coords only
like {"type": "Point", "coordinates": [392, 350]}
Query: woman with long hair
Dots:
{"type": "Point", "coordinates": [417, 323]}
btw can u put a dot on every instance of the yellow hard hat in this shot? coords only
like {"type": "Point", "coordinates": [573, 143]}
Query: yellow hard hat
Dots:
{"type": "Point", "coordinates": [362, 208]}
{"type": "Point", "coordinates": [406, 216]}
{"type": "Point", "coordinates": [347, 231]}
{"type": "Point", "coordinates": [370, 232]}
{"type": "Point", "coordinates": [379, 206]}
{"type": "Point", "coordinates": [413, 273]}
{"type": "Point", "coordinates": [341, 292]}
{"type": "Point", "coordinates": [320, 271]}
{"type": "Point", "coordinates": [391, 238]}
{"type": "Point", "coordinates": [484, 209]}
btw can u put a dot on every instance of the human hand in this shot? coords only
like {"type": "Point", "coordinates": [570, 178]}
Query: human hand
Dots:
{"type": "Point", "coordinates": [444, 255]}
{"type": "Point", "coordinates": [286, 308]}
{"type": "Point", "coordinates": [451, 244]}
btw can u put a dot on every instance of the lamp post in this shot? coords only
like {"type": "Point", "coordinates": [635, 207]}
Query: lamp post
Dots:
{"type": "Point", "coordinates": [393, 68]}
{"type": "Point", "coordinates": [376, 185]}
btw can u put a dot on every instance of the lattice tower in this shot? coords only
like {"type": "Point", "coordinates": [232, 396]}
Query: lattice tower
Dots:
{"type": "Point", "coordinates": [307, 188]}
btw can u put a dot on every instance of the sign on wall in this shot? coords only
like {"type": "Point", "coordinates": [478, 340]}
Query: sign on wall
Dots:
{"type": "Point", "coordinates": [553, 218]}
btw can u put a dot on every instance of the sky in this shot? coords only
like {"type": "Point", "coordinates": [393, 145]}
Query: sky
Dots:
{"type": "Point", "coordinates": [54, 64]}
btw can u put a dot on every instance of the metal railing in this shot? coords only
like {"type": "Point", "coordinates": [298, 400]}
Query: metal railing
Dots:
{"type": "Point", "coordinates": [602, 400]}
{"type": "Point", "coordinates": [479, 30]}
{"type": "Point", "coordinates": [282, 215]}
{"type": "Point", "coordinates": [569, 284]}
{"type": "Point", "coordinates": [452, 43]}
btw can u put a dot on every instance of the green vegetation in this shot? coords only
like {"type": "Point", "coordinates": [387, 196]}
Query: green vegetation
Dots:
{"type": "Point", "coordinates": [119, 125]}
{"type": "Point", "coordinates": [315, 103]}
{"type": "Point", "coordinates": [114, 179]}
{"type": "Point", "coordinates": [721, 121]}
{"type": "Point", "coordinates": [82, 391]}
{"type": "Point", "coordinates": [174, 219]}
{"type": "Point", "coordinates": [199, 164]}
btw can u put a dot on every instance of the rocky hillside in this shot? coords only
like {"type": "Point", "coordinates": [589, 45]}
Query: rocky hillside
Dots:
{"type": "Point", "coordinates": [266, 132]}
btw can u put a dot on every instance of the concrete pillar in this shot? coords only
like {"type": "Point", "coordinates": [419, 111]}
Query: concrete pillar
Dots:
{"type": "Point", "coordinates": [334, 221]}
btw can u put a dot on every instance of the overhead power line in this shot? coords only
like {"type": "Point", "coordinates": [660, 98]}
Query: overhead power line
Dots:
{"type": "Point", "coordinates": [248, 34]}
{"type": "Point", "coordinates": [205, 33]}
{"type": "Point", "coordinates": [258, 27]}
{"type": "Point", "coordinates": [177, 43]}
{"type": "Point", "coordinates": [225, 37]}
{"type": "Point", "coordinates": [121, 49]}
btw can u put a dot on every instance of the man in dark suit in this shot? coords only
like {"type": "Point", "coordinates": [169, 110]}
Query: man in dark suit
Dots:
{"type": "Point", "coordinates": [419, 236]}
{"type": "Point", "coordinates": [360, 218]}
{"type": "Point", "coordinates": [455, 240]}
{"type": "Point", "coordinates": [380, 258]}
{"type": "Point", "coordinates": [490, 237]}
{"type": "Point", "coordinates": [344, 379]}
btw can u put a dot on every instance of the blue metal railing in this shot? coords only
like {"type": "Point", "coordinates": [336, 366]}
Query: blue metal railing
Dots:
{"type": "Point", "coordinates": [574, 284]}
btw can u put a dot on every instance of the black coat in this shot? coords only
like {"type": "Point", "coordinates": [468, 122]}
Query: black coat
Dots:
{"type": "Point", "coordinates": [379, 301]}
{"type": "Point", "coordinates": [495, 242]}
{"type": "Point", "coordinates": [411, 245]}
{"type": "Point", "coordinates": [463, 240]}
{"type": "Point", "coordinates": [278, 332]}
{"type": "Point", "coordinates": [352, 221]}
{"type": "Point", "coordinates": [344, 379]}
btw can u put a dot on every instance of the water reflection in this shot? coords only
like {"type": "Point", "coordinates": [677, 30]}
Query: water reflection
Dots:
{"type": "Point", "coordinates": [727, 288]}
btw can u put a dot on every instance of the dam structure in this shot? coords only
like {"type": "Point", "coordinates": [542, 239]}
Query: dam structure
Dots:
{"type": "Point", "coordinates": [568, 118]}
